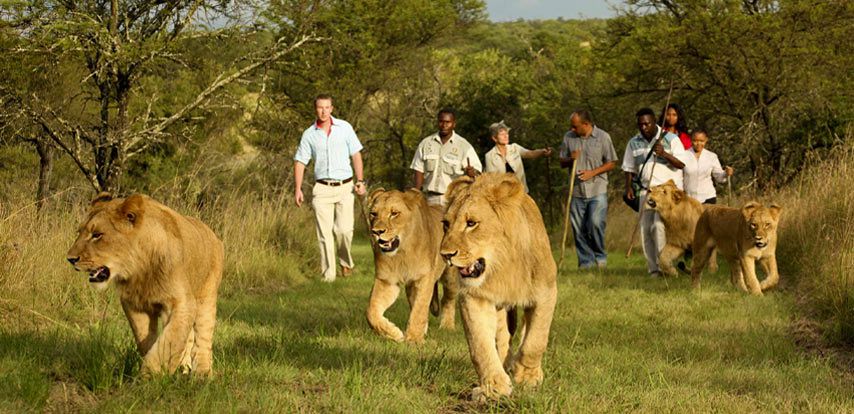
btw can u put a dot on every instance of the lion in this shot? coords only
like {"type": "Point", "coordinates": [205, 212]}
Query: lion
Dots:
{"type": "Point", "coordinates": [679, 213]}
{"type": "Point", "coordinates": [743, 237]}
{"type": "Point", "coordinates": [163, 265]}
{"type": "Point", "coordinates": [496, 241]}
{"type": "Point", "coordinates": [407, 232]}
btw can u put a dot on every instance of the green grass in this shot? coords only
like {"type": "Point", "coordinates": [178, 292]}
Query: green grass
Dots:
{"type": "Point", "coordinates": [620, 342]}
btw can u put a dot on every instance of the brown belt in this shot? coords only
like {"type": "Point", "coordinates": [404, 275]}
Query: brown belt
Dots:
{"type": "Point", "coordinates": [334, 183]}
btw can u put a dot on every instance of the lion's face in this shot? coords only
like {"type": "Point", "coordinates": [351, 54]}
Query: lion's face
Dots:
{"type": "Point", "coordinates": [762, 222]}
{"type": "Point", "coordinates": [475, 239]}
{"type": "Point", "coordinates": [390, 217]}
{"type": "Point", "coordinates": [664, 196]}
{"type": "Point", "coordinates": [104, 241]}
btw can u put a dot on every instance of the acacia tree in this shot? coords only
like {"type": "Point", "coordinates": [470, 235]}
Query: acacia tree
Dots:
{"type": "Point", "coordinates": [112, 46]}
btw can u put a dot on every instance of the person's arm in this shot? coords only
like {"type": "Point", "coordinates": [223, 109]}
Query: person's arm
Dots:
{"type": "Point", "coordinates": [473, 167]}
{"type": "Point", "coordinates": [565, 156]}
{"type": "Point", "coordinates": [418, 179]}
{"type": "Point", "coordinates": [417, 165]}
{"type": "Point", "coordinates": [630, 192]}
{"type": "Point", "coordinates": [358, 171]}
{"type": "Point", "coordinates": [670, 158]}
{"type": "Point", "coordinates": [299, 172]}
{"type": "Point", "coordinates": [533, 154]}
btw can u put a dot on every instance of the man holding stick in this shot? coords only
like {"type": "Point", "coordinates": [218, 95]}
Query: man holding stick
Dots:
{"type": "Point", "coordinates": [652, 157]}
{"type": "Point", "coordinates": [594, 155]}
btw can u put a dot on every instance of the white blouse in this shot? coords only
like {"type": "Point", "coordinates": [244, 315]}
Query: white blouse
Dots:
{"type": "Point", "coordinates": [494, 162]}
{"type": "Point", "coordinates": [698, 174]}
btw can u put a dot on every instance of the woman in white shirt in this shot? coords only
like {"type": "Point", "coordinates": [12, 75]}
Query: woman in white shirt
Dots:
{"type": "Point", "coordinates": [507, 157]}
{"type": "Point", "coordinates": [701, 168]}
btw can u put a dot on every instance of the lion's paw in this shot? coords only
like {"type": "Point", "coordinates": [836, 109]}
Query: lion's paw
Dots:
{"type": "Point", "coordinates": [447, 324]}
{"type": "Point", "coordinates": [491, 389]}
{"type": "Point", "coordinates": [414, 339]}
{"type": "Point", "coordinates": [529, 377]}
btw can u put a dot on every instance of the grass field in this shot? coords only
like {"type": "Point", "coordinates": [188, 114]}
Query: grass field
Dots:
{"type": "Point", "coordinates": [620, 342]}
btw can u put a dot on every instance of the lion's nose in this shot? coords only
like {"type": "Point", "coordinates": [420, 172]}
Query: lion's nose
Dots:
{"type": "Point", "coordinates": [73, 260]}
{"type": "Point", "coordinates": [448, 256]}
{"type": "Point", "coordinates": [377, 232]}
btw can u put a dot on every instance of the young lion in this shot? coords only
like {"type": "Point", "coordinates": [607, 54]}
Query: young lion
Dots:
{"type": "Point", "coordinates": [496, 240]}
{"type": "Point", "coordinates": [163, 264]}
{"type": "Point", "coordinates": [679, 213]}
{"type": "Point", "coordinates": [407, 232]}
{"type": "Point", "coordinates": [742, 236]}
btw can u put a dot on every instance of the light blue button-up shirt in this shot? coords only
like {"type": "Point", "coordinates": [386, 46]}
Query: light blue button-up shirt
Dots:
{"type": "Point", "coordinates": [331, 153]}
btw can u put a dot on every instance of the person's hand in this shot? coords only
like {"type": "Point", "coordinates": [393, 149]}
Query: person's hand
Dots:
{"type": "Point", "coordinates": [575, 154]}
{"type": "Point", "coordinates": [585, 175]}
{"type": "Point", "coordinates": [470, 171]}
{"type": "Point", "coordinates": [360, 188]}
{"type": "Point", "coordinates": [547, 151]}
{"type": "Point", "coordinates": [658, 149]}
{"type": "Point", "coordinates": [298, 197]}
{"type": "Point", "coordinates": [630, 193]}
{"type": "Point", "coordinates": [729, 170]}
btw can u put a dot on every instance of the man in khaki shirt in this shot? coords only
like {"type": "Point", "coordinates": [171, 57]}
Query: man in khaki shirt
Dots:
{"type": "Point", "coordinates": [441, 158]}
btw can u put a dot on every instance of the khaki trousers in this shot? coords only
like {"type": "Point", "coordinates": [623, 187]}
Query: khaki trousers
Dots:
{"type": "Point", "coordinates": [652, 234]}
{"type": "Point", "coordinates": [333, 211]}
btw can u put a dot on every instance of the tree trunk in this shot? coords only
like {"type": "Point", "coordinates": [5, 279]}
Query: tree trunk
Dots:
{"type": "Point", "coordinates": [45, 150]}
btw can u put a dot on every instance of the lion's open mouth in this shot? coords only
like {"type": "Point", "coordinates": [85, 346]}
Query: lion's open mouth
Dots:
{"type": "Point", "coordinates": [388, 246]}
{"type": "Point", "coordinates": [99, 275]}
{"type": "Point", "coordinates": [475, 270]}
{"type": "Point", "coordinates": [760, 244]}
{"type": "Point", "coordinates": [651, 203]}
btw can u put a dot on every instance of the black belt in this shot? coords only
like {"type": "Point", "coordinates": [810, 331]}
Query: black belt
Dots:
{"type": "Point", "coordinates": [433, 193]}
{"type": "Point", "coordinates": [334, 183]}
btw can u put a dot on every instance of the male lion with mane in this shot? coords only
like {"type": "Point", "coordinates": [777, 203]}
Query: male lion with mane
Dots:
{"type": "Point", "coordinates": [743, 237]}
{"type": "Point", "coordinates": [163, 265]}
{"type": "Point", "coordinates": [407, 232]}
{"type": "Point", "coordinates": [496, 240]}
{"type": "Point", "coordinates": [679, 213]}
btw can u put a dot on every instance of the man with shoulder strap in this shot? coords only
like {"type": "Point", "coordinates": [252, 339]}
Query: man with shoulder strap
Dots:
{"type": "Point", "coordinates": [332, 143]}
{"type": "Point", "coordinates": [655, 156]}
{"type": "Point", "coordinates": [441, 158]}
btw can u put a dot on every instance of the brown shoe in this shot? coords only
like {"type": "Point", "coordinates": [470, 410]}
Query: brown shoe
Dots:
{"type": "Point", "coordinates": [346, 271]}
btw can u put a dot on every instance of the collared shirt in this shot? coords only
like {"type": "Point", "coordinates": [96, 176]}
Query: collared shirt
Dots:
{"type": "Point", "coordinates": [596, 150]}
{"type": "Point", "coordinates": [637, 150]}
{"type": "Point", "coordinates": [494, 162]}
{"type": "Point", "coordinates": [442, 163]}
{"type": "Point", "coordinates": [331, 153]}
{"type": "Point", "coordinates": [698, 173]}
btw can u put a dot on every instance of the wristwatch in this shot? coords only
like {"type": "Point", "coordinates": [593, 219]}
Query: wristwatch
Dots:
{"type": "Point", "coordinates": [360, 182]}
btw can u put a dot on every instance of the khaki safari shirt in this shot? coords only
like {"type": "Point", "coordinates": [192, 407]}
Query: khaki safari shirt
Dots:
{"type": "Point", "coordinates": [442, 163]}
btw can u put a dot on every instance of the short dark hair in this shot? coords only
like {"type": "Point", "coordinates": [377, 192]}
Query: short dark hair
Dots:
{"type": "Point", "coordinates": [681, 119]}
{"type": "Point", "coordinates": [583, 116]}
{"type": "Point", "coordinates": [447, 110]}
{"type": "Point", "coordinates": [322, 96]}
{"type": "Point", "coordinates": [645, 111]}
{"type": "Point", "coordinates": [700, 131]}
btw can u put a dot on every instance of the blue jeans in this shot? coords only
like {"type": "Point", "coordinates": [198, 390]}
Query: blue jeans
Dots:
{"type": "Point", "coordinates": [588, 226]}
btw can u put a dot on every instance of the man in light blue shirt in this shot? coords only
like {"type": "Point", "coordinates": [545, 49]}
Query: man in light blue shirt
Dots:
{"type": "Point", "coordinates": [332, 143]}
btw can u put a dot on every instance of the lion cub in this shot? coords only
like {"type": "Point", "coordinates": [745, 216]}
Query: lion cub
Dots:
{"type": "Point", "coordinates": [407, 232]}
{"type": "Point", "coordinates": [496, 241]}
{"type": "Point", "coordinates": [743, 237]}
{"type": "Point", "coordinates": [164, 266]}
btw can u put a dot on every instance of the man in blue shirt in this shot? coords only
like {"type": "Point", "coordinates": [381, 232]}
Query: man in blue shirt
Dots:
{"type": "Point", "coordinates": [332, 143]}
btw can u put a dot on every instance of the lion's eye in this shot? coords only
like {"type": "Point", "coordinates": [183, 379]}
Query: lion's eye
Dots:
{"type": "Point", "coordinates": [373, 214]}
{"type": "Point", "coordinates": [753, 225]}
{"type": "Point", "coordinates": [445, 224]}
{"type": "Point", "coordinates": [394, 214]}
{"type": "Point", "coordinates": [471, 223]}
{"type": "Point", "coordinates": [96, 235]}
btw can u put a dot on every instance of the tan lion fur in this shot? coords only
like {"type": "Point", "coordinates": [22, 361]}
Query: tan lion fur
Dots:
{"type": "Point", "coordinates": [415, 263]}
{"type": "Point", "coordinates": [742, 236]}
{"type": "Point", "coordinates": [491, 218]}
{"type": "Point", "coordinates": [165, 266]}
{"type": "Point", "coordinates": [679, 213]}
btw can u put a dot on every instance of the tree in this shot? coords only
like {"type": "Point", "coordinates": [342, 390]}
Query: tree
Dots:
{"type": "Point", "coordinates": [112, 46]}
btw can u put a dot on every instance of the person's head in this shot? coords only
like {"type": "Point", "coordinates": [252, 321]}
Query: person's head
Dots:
{"type": "Point", "coordinates": [581, 123]}
{"type": "Point", "coordinates": [646, 123]}
{"type": "Point", "coordinates": [446, 121]}
{"type": "Point", "coordinates": [323, 107]}
{"type": "Point", "coordinates": [674, 116]}
{"type": "Point", "coordinates": [500, 133]}
{"type": "Point", "coordinates": [699, 139]}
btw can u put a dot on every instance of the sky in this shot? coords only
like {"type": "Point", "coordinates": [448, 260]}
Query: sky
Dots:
{"type": "Point", "coordinates": [509, 10]}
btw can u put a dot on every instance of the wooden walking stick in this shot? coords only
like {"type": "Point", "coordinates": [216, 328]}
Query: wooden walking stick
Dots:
{"type": "Point", "coordinates": [566, 216]}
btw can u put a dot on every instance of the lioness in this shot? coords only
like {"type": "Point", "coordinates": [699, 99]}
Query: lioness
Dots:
{"type": "Point", "coordinates": [163, 264]}
{"type": "Point", "coordinates": [742, 236]}
{"type": "Point", "coordinates": [407, 232]}
{"type": "Point", "coordinates": [496, 240]}
{"type": "Point", "coordinates": [679, 213]}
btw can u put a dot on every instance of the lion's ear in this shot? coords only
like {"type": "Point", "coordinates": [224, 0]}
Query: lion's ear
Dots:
{"type": "Point", "coordinates": [132, 209]}
{"type": "Point", "coordinates": [749, 208]}
{"type": "Point", "coordinates": [457, 187]}
{"type": "Point", "coordinates": [775, 211]}
{"type": "Point", "coordinates": [102, 197]}
{"type": "Point", "coordinates": [671, 183]}
{"type": "Point", "coordinates": [374, 194]}
{"type": "Point", "coordinates": [506, 188]}
{"type": "Point", "coordinates": [413, 194]}
{"type": "Point", "coordinates": [678, 195]}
